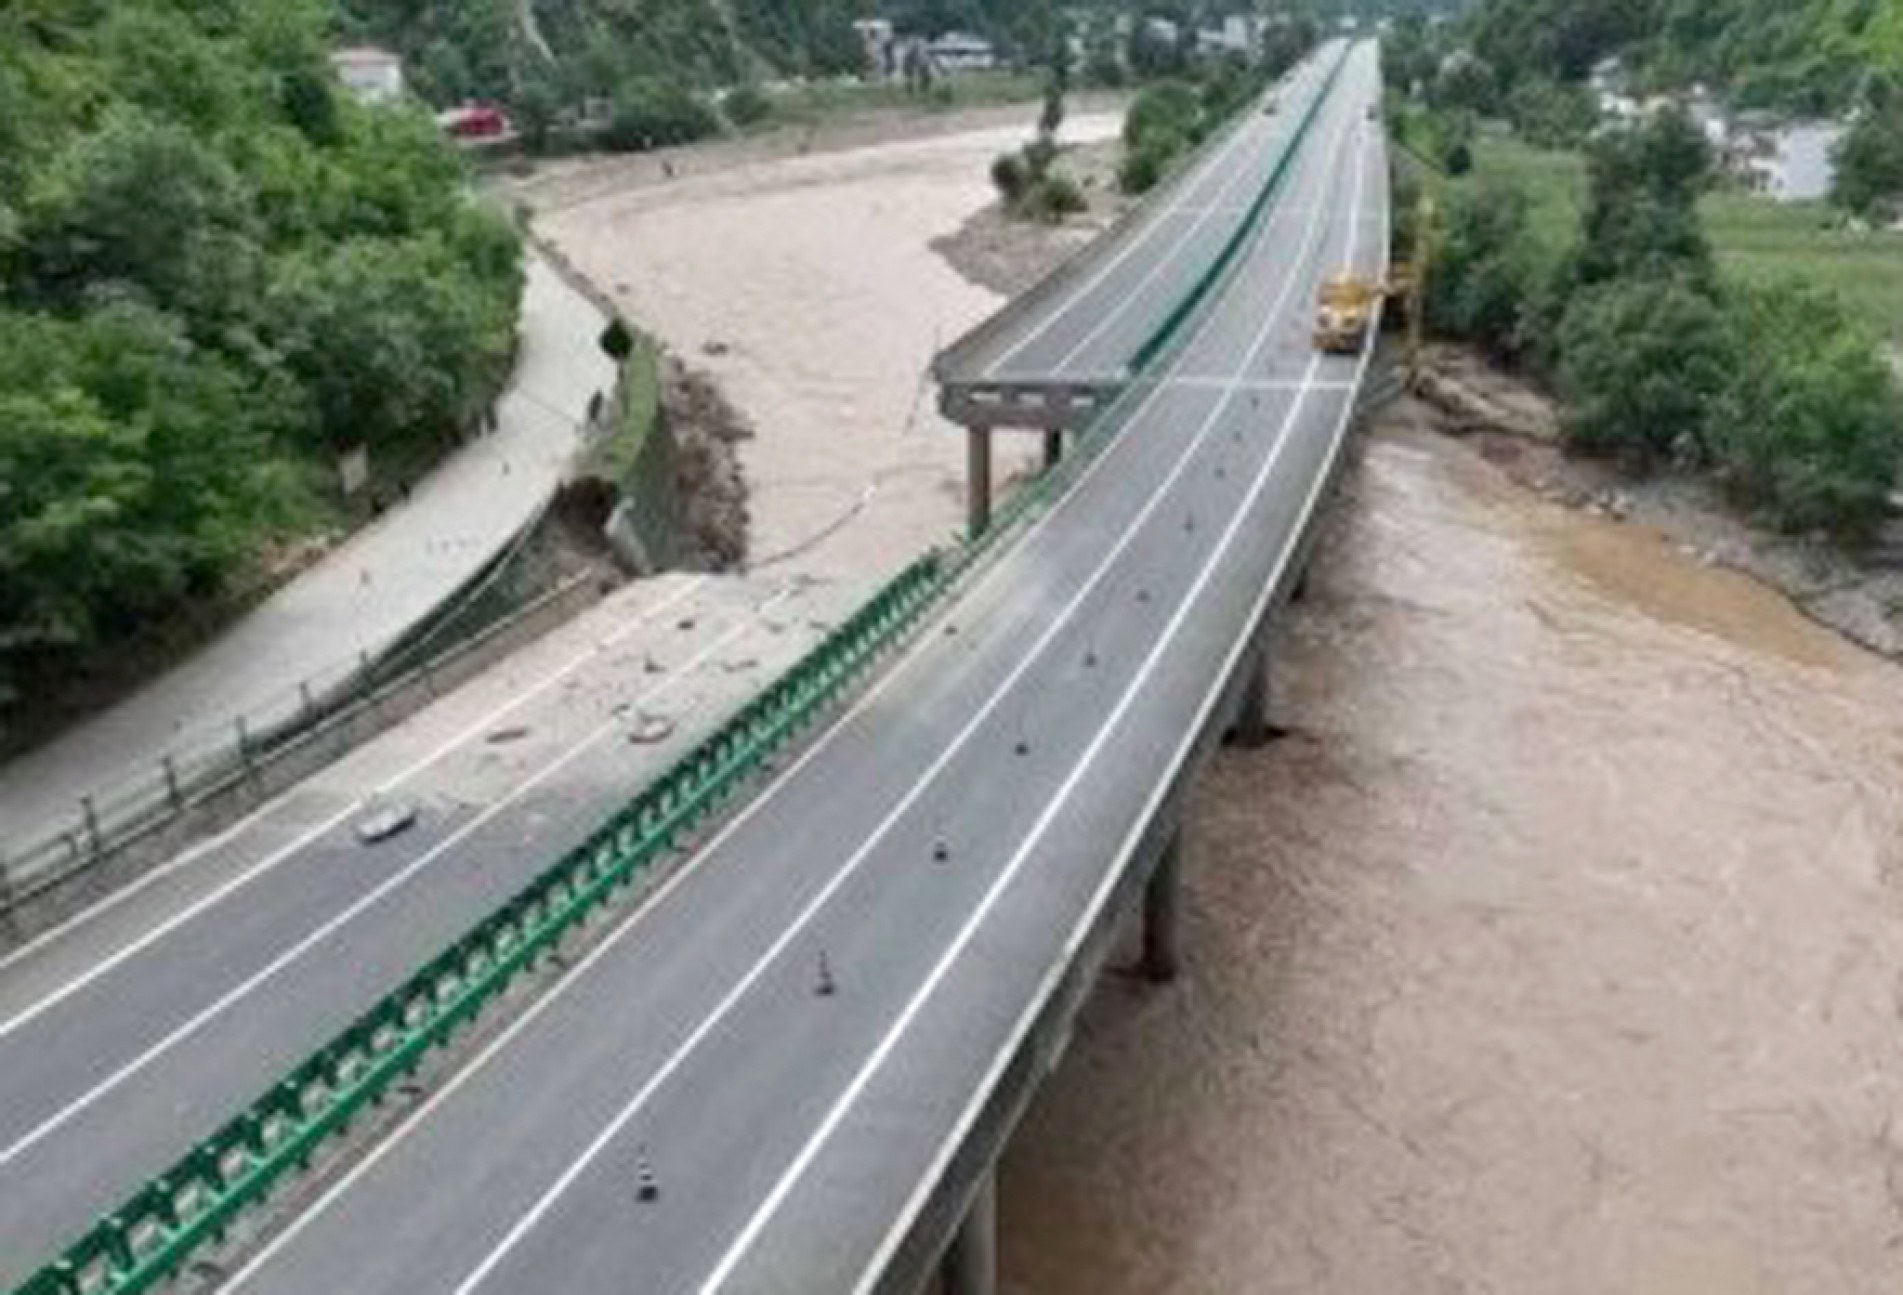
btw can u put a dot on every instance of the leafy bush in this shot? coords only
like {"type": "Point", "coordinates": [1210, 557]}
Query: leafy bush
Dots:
{"type": "Point", "coordinates": [1142, 167]}
{"type": "Point", "coordinates": [1552, 114]}
{"type": "Point", "coordinates": [1167, 111]}
{"type": "Point", "coordinates": [1485, 268]}
{"type": "Point", "coordinates": [1869, 162]}
{"type": "Point", "coordinates": [1053, 197]}
{"type": "Point", "coordinates": [1010, 176]}
{"type": "Point", "coordinates": [650, 112]}
{"type": "Point", "coordinates": [746, 105]}
{"type": "Point", "coordinates": [1640, 362]}
{"type": "Point", "coordinates": [1641, 216]}
{"type": "Point", "coordinates": [617, 339]}
{"type": "Point", "coordinates": [1810, 427]}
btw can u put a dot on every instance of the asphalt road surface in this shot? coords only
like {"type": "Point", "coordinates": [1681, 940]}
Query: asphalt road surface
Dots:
{"type": "Point", "coordinates": [792, 1133]}
{"type": "Point", "coordinates": [139, 1027]}
{"type": "Point", "coordinates": [1120, 290]}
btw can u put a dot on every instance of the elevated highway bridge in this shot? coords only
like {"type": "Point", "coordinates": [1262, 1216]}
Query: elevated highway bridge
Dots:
{"type": "Point", "coordinates": [793, 1066]}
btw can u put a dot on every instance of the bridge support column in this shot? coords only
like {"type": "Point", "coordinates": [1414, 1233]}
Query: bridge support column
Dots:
{"type": "Point", "coordinates": [1162, 914]}
{"type": "Point", "coordinates": [977, 481]}
{"type": "Point", "coordinates": [971, 1261]}
{"type": "Point", "coordinates": [1053, 449]}
{"type": "Point", "coordinates": [1252, 728]}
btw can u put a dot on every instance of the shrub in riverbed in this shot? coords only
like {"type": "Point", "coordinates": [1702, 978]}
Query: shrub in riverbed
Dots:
{"type": "Point", "coordinates": [1010, 176]}
{"type": "Point", "coordinates": [1052, 198]}
{"type": "Point", "coordinates": [1146, 164]}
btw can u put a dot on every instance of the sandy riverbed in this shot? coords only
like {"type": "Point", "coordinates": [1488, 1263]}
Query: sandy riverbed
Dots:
{"type": "Point", "coordinates": [807, 286]}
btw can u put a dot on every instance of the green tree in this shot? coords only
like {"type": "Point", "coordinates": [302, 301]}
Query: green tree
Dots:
{"type": "Point", "coordinates": [650, 112]}
{"type": "Point", "coordinates": [1485, 268]}
{"type": "Point", "coordinates": [1869, 163]}
{"type": "Point", "coordinates": [1809, 427]}
{"type": "Point", "coordinates": [1552, 114]}
{"type": "Point", "coordinates": [1640, 363]}
{"type": "Point", "coordinates": [1641, 214]}
{"type": "Point", "coordinates": [135, 469]}
{"type": "Point", "coordinates": [392, 348]}
{"type": "Point", "coordinates": [143, 204]}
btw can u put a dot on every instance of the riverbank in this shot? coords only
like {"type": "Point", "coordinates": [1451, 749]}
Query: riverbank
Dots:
{"type": "Point", "coordinates": [1857, 593]}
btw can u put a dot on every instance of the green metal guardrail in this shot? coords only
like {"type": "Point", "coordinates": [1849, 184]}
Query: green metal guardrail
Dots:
{"type": "Point", "coordinates": [162, 1226]}
{"type": "Point", "coordinates": [155, 1233]}
{"type": "Point", "coordinates": [1154, 345]}
{"type": "Point", "coordinates": [1033, 496]}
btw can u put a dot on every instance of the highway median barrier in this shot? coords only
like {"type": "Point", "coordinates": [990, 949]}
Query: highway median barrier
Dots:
{"type": "Point", "coordinates": [190, 1207]}
{"type": "Point", "coordinates": [1159, 340]}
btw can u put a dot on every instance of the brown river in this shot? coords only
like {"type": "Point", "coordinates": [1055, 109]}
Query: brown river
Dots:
{"type": "Point", "coordinates": [1557, 948]}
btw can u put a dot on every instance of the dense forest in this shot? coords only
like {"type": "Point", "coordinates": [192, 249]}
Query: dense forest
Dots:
{"type": "Point", "coordinates": [216, 272]}
{"type": "Point", "coordinates": [543, 55]}
{"type": "Point", "coordinates": [1812, 55]}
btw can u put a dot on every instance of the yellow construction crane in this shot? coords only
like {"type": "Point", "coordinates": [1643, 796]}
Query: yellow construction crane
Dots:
{"type": "Point", "coordinates": [1343, 307]}
{"type": "Point", "coordinates": [1345, 302]}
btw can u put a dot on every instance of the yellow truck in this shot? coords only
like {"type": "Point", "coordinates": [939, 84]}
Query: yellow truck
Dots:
{"type": "Point", "coordinates": [1344, 306]}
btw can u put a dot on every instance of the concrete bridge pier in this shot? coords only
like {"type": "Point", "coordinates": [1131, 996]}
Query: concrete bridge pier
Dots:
{"type": "Point", "coordinates": [977, 481]}
{"type": "Point", "coordinates": [1162, 914]}
{"type": "Point", "coordinates": [970, 1266]}
{"type": "Point", "coordinates": [1252, 728]}
{"type": "Point", "coordinates": [1053, 449]}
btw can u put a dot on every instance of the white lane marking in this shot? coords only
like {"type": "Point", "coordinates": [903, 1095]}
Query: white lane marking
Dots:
{"type": "Point", "coordinates": [1257, 384]}
{"type": "Point", "coordinates": [270, 861]}
{"type": "Point", "coordinates": [654, 903]}
{"type": "Point", "coordinates": [789, 1178]}
{"type": "Point", "coordinates": [1167, 260]}
{"type": "Point", "coordinates": [395, 880]}
{"type": "Point", "coordinates": [1096, 280]}
{"type": "Point", "coordinates": [836, 1114]}
{"type": "Point", "coordinates": [851, 867]}
{"type": "Point", "coordinates": [961, 1129]}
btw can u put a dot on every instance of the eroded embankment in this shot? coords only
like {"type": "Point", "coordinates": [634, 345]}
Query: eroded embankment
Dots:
{"type": "Point", "coordinates": [1858, 592]}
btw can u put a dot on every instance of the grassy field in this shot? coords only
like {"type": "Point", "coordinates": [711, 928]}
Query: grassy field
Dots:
{"type": "Point", "coordinates": [1756, 240]}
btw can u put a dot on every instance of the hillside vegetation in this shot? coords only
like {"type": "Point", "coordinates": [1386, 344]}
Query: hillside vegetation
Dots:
{"type": "Point", "coordinates": [1808, 54]}
{"type": "Point", "coordinates": [216, 272]}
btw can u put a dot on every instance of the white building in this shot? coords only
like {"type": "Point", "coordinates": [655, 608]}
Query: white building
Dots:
{"type": "Point", "coordinates": [958, 51]}
{"type": "Point", "coordinates": [1239, 34]}
{"type": "Point", "coordinates": [875, 34]}
{"type": "Point", "coordinates": [374, 75]}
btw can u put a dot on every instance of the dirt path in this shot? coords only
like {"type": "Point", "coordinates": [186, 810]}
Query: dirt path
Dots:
{"type": "Point", "coordinates": [1560, 948]}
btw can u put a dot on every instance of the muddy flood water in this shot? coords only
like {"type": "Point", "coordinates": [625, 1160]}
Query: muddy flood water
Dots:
{"type": "Point", "coordinates": [1557, 948]}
